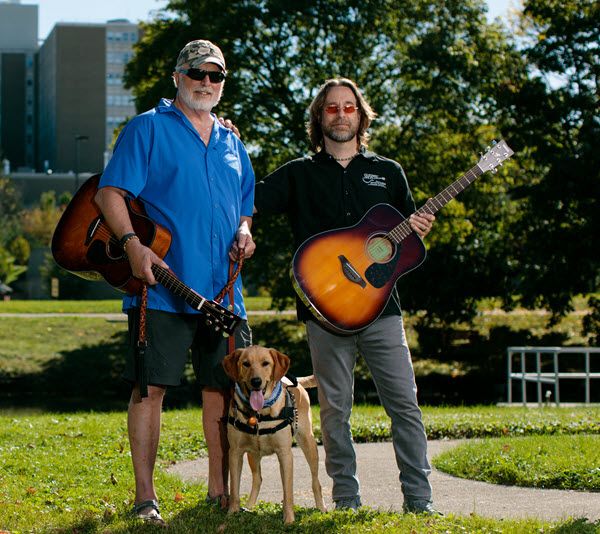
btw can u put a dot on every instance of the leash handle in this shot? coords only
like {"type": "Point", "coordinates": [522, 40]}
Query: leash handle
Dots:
{"type": "Point", "coordinates": [228, 288]}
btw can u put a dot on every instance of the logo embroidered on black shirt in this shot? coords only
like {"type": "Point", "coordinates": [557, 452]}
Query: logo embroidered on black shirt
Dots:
{"type": "Point", "coordinates": [374, 180]}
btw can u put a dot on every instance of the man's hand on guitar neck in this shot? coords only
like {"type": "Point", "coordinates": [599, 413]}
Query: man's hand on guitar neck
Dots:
{"type": "Point", "coordinates": [422, 223]}
{"type": "Point", "coordinates": [141, 258]}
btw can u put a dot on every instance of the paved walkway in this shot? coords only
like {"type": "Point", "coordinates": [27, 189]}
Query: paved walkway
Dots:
{"type": "Point", "coordinates": [122, 316]}
{"type": "Point", "coordinates": [380, 487]}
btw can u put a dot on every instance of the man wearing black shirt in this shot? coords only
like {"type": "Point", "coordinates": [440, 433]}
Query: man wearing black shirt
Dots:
{"type": "Point", "coordinates": [333, 189]}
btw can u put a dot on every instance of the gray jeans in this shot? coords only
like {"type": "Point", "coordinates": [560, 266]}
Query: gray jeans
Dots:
{"type": "Point", "coordinates": [383, 345]}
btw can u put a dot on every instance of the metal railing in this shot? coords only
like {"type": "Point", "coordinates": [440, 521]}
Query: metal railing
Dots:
{"type": "Point", "coordinates": [539, 374]}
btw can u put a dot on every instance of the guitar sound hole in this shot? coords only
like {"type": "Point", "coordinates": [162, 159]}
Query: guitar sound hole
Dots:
{"type": "Point", "coordinates": [114, 250]}
{"type": "Point", "coordinates": [380, 249]}
{"type": "Point", "coordinates": [97, 254]}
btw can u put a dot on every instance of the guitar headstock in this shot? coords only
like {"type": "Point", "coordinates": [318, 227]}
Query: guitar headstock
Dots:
{"type": "Point", "coordinates": [220, 318]}
{"type": "Point", "coordinates": [495, 156]}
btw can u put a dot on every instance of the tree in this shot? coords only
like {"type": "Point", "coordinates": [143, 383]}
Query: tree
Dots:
{"type": "Point", "coordinates": [14, 249]}
{"type": "Point", "coordinates": [554, 113]}
{"type": "Point", "coordinates": [446, 102]}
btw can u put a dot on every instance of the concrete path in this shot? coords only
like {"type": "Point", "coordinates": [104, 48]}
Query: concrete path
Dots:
{"type": "Point", "coordinates": [380, 487]}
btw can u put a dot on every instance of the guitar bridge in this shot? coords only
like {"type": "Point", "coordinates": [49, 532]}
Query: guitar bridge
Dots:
{"type": "Point", "coordinates": [350, 272]}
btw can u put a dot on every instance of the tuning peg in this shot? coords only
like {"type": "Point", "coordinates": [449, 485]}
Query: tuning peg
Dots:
{"type": "Point", "coordinates": [208, 322]}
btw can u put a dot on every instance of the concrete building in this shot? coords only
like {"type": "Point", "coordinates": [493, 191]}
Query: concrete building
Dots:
{"type": "Point", "coordinates": [18, 46]}
{"type": "Point", "coordinates": [81, 97]}
{"type": "Point", "coordinates": [121, 35]}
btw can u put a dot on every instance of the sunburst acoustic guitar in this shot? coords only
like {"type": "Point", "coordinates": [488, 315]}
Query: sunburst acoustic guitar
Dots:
{"type": "Point", "coordinates": [346, 276]}
{"type": "Point", "coordinates": [84, 244]}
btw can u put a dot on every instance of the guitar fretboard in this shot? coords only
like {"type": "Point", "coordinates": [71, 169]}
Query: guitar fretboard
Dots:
{"type": "Point", "coordinates": [172, 283]}
{"type": "Point", "coordinates": [433, 205]}
{"type": "Point", "coordinates": [221, 317]}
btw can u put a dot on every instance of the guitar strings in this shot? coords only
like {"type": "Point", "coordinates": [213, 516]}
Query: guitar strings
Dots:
{"type": "Point", "coordinates": [403, 230]}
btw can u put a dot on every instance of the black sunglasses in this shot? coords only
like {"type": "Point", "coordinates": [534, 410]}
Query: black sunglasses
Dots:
{"type": "Point", "coordinates": [199, 75]}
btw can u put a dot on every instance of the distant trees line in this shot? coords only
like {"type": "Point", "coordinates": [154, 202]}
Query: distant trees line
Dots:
{"type": "Point", "coordinates": [444, 82]}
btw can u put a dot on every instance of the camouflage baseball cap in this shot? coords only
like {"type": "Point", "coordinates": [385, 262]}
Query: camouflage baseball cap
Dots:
{"type": "Point", "coordinates": [195, 53]}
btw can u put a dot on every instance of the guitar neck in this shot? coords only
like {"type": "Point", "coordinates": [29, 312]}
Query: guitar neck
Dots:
{"type": "Point", "coordinates": [176, 286]}
{"type": "Point", "coordinates": [219, 317]}
{"type": "Point", "coordinates": [433, 205]}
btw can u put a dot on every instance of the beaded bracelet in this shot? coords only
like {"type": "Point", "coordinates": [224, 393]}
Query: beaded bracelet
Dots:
{"type": "Point", "coordinates": [126, 238]}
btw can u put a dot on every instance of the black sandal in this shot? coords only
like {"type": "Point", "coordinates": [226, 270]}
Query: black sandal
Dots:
{"type": "Point", "coordinates": [148, 511]}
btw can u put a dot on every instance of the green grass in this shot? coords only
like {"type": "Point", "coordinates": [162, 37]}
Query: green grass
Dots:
{"type": "Point", "coordinates": [252, 303]}
{"type": "Point", "coordinates": [95, 306]}
{"type": "Point", "coordinates": [72, 473]}
{"type": "Point", "coordinates": [34, 343]}
{"type": "Point", "coordinates": [559, 462]}
{"type": "Point", "coordinates": [491, 421]}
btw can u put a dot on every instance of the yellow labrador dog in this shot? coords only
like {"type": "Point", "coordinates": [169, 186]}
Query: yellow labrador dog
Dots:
{"type": "Point", "coordinates": [264, 414]}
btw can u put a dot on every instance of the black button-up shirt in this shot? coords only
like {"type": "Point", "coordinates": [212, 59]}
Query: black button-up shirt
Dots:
{"type": "Point", "coordinates": [318, 194]}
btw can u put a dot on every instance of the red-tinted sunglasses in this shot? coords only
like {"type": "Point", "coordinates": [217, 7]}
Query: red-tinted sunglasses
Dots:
{"type": "Point", "coordinates": [334, 109]}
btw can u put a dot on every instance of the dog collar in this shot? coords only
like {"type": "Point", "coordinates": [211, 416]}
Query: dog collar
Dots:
{"type": "Point", "coordinates": [268, 402]}
{"type": "Point", "coordinates": [287, 416]}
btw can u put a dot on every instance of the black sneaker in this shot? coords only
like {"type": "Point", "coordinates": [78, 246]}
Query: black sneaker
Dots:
{"type": "Point", "coordinates": [420, 507]}
{"type": "Point", "coordinates": [348, 503]}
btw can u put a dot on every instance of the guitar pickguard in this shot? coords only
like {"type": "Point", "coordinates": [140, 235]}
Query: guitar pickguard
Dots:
{"type": "Point", "coordinates": [379, 274]}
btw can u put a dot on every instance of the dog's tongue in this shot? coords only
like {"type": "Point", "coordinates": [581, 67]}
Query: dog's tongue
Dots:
{"type": "Point", "coordinates": [257, 400]}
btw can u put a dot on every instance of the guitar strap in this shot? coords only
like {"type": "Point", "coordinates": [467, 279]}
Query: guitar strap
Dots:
{"type": "Point", "coordinates": [140, 367]}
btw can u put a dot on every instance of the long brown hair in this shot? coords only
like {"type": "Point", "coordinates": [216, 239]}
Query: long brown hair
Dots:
{"type": "Point", "coordinates": [315, 110]}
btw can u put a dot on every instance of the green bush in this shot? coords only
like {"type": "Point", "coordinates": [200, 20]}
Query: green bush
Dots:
{"type": "Point", "coordinates": [19, 247]}
{"type": "Point", "coordinates": [9, 270]}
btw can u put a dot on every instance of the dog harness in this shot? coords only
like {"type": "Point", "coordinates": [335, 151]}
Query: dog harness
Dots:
{"type": "Point", "coordinates": [287, 416]}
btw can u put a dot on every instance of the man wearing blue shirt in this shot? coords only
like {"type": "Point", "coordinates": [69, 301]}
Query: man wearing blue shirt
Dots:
{"type": "Point", "coordinates": [195, 178]}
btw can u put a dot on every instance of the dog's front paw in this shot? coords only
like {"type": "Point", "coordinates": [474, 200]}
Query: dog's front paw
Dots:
{"type": "Point", "coordinates": [288, 517]}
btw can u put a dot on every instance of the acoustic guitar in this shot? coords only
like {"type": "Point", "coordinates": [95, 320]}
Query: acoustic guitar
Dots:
{"type": "Point", "coordinates": [84, 244]}
{"type": "Point", "coordinates": [346, 276]}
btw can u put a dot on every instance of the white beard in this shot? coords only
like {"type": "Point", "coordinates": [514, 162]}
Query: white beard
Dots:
{"type": "Point", "coordinates": [191, 100]}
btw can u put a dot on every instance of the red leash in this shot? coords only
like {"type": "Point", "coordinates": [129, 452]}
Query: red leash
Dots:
{"type": "Point", "coordinates": [141, 371]}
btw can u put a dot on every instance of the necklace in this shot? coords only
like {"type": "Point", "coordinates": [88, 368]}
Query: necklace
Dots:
{"type": "Point", "coordinates": [345, 159]}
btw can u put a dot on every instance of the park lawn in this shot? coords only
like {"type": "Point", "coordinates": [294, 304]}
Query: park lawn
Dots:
{"type": "Point", "coordinates": [28, 342]}
{"type": "Point", "coordinates": [72, 473]}
{"type": "Point", "coordinates": [95, 306]}
{"type": "Point", "coordinates": [567, 462]}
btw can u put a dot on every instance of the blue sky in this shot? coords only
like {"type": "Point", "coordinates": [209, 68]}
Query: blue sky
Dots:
{"type": "Point", "coordinates": [53, 11]}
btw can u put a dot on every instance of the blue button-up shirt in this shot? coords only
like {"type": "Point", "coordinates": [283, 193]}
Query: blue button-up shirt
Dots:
{"type": "Point", "coordinates": [197, 192]}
